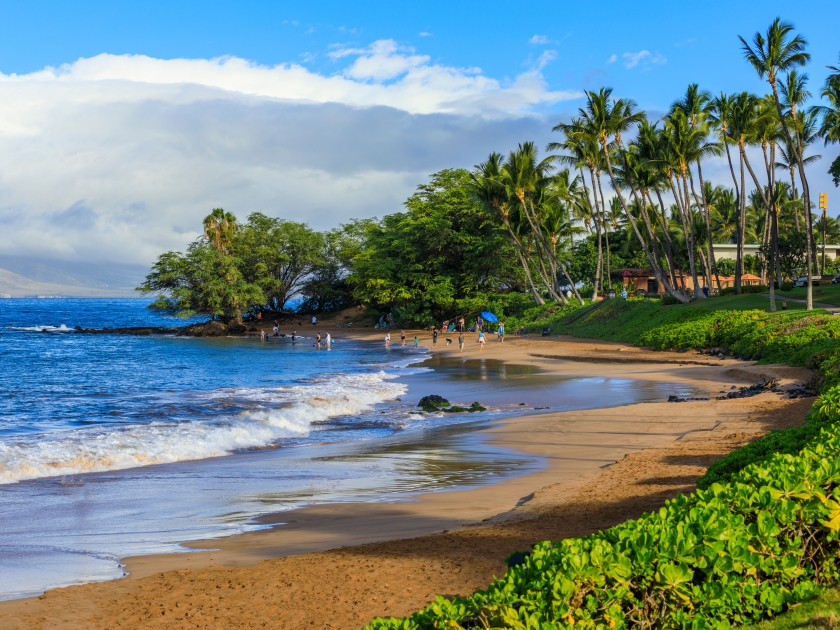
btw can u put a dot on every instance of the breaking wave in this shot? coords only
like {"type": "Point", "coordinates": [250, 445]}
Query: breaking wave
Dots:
{"type": "Point", "coordinates": [276, 413]}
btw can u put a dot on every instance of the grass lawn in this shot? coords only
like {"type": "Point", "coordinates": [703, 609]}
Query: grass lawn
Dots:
{"type": "Point", "coordinates": [821, 612]}
{"type": "Point", "coordinates": [830, 294]}
{"type": "Point", "coordinates": [745, 303]}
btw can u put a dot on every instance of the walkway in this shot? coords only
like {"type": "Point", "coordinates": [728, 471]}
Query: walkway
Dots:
{"type": "Point", "coordinates": [831, 308]}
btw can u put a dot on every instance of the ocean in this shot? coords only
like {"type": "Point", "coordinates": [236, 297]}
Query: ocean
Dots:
{"type": "Point", "coordinates": [116, 445]}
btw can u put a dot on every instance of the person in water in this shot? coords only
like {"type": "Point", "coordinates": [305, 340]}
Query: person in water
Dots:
{"type": "Point", "coordinates": [387, 339]}
{"type": "Point", "coordinates": [402, 337]}
{"type": "Point", "coordinates": [294, 336]}
{"type": "Point", "coordinates": [328, 341]}
{"type": "Point", "coordinates": [318, 341]}
{"type": "Point", "coordinates": [262, 335]}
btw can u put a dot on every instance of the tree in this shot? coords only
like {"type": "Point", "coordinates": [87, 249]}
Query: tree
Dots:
{"type": "Point", "coordinates": [207, 279]}
{"type": "Point", "coordinates": [830, 115]}
{"type": "Point", "coordinates": [769, 54]}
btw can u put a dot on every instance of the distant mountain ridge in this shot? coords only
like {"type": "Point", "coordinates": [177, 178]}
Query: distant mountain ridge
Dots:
{"type": "Point", "coordinates": [24, 277]}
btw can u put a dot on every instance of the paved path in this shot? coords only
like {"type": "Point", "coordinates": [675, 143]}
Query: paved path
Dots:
{"type": "Point", "coordinates": [831, 308]}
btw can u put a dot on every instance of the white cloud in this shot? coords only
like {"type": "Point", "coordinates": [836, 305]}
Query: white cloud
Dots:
{"type": "Point", "coordinates": [538, 40]}
{"type": "Point", "coordinates": [643, 57]}
{"type": "Point", "coordinates": [612, 59]}
{"type": "Point", "coordinates": [424, 34]}
{"type": "Point", "coordinates": [119, 157]}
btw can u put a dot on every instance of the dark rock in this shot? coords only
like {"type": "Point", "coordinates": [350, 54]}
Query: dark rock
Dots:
{"type": "Point", "coordinates": [432, 403]}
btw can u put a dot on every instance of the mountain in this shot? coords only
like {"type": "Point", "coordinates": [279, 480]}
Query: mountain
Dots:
{"type": "Point", "coordinates": [20, 277]}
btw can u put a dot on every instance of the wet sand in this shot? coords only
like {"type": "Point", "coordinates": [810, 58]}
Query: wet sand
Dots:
{"type": "Point", "coordinates": [340, 565]}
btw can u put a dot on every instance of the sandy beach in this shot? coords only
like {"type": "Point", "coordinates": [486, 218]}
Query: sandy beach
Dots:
{"type": "Point", "coordinates": [340, 565]}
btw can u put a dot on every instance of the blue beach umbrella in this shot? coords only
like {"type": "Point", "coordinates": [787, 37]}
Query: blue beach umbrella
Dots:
{"type": "Point", "coordinates": [489, 317]}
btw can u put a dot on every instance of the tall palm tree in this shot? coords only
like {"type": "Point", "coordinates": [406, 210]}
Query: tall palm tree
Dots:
{"type": "Point", "coordinates": [609, 118]}
{"type": "Point", "coordinates": [769, 55]}
{"type": "Point", "coordinates": [697, 105]}
{"type": "Point", "coordinates": [830, 115]}
{"type": "Point", "coordinates": [219, 229]}
{"type": "Point", "coordinates": [486, 188]}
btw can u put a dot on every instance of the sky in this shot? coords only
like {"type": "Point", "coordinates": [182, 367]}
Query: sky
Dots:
{"type": "Point", "coordinates": [122, 124]}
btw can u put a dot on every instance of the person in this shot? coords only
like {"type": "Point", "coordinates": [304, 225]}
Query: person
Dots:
{"type": "Point", "coordinates": [479, 324]}
{"type": "Point", "coordinates": [434, 336]}
{"type": "Point", "coordinates": [314, 320]}
{"type": "Point", "coordinates": [481, 341]}
{"type": "Point", "coordinates": [402, 336]}
{"type": "Point", "coordinates": [461, 340]}
{"type": "Point", "coordinates": [276, 330]}
{"type": "Point", "coordinates": [624, 293]}
{"type": "Point", "coordinates": [502, 332]}
{"type": "Point", "coordinates": [387, 339]}
{"type": "Point", "coordinates": [318, 341]}
{"type": "Point", "coordinates": [416, 341]}
{"type": "Point", "coordinates": [328, 340]}
{"type": "Point", "coordinates": [294, 336]}
{"type": "Point", "coordinates": [461, 324]}
{"type": "Point", "coordinates": [259, 316]}
{"type": "Point", "coordinates": [262, 335]}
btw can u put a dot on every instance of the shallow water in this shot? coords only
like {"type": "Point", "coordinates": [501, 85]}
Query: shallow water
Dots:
{"type": "Point", "coordinates": [114, 445]}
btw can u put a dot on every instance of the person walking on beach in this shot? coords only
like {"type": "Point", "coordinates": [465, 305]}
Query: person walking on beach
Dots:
{"type": "Point", "coordinates": [387, 339]}
{"type": "Point", "coordinates": [318, 341]}
{"type": "Point", "coordinates": [502, 332]}
{"type": "Point", "coordinates": [416, 341]}
{"type": "Point", "coordinates": [481, 341]}
{"type": "Point", "coordinates": [402, 337]}
{"type": "Point", "coordinates": [434, 337]}
{"type": "Point", "coordinates": [461, 341]}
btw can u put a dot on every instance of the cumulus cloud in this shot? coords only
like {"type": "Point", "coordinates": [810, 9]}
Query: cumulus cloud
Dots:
{"type": "Point", "coordinates": [119, 157]}
{"type": "Point", "coordinates": [643, 57]}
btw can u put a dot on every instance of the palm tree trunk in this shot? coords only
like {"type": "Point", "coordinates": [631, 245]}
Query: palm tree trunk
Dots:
{"type": "Point", "coordinates": [522, 258]}
{"type": "Point", "coordinates": [809, 236]}
{"type": "Point", "coordinates": [742, 212]}
{"type": "Point", "coordinates": [707, 216]}
{"type": "Point", "coordinates": [669, 245]}
{"type": "Point", "coordinates": [595, 212]}
{"type": "Point", "coordinates": [606, 227]}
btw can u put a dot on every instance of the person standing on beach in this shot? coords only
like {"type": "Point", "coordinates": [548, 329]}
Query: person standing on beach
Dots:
{"type": "Point", "coordinates": [387, 339]}
{"type": "Point", "coordinates": [502, 332]}
{"type": "Point", "coordinates": [461, 340]}
{"type": "Point", "coordinates": [329, 341]}
{"type": "Point", "coordinates": [434, 337]}
{"type": "Point", "coordinates": [416, 341]}
{"type": "Point", "coordinates": [318, 340]}
{"type": "Point", "coordinates": [481, 341]}
{"type": "Point", "coordinates": [402, 337]}
{"type": "Point", "coordinates": [314, 320]}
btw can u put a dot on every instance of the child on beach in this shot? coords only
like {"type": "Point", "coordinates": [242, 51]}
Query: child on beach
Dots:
{"type": "Point", "coordinates": [502, 332]}
{"type": "Point", "coordinates": [481, 341]}
{"type": "Point", "coordinates": [416, 342]}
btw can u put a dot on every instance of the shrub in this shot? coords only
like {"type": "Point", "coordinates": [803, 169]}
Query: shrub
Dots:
{"type": "Point", "coordinates": [753, 288]}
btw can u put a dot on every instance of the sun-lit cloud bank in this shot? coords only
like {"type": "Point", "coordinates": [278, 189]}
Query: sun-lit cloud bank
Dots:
{"type": "Point", "coordinates": [119, 157]}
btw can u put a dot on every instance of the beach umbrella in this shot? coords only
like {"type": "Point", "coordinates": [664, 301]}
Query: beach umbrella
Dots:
{"type": "Point", "coordinates": [489, 317]}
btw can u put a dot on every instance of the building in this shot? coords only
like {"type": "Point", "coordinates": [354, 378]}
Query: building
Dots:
{"type": "Point", "coordinates": [730, 250]}
{"type": "Point", "coordinates": [644, 279]}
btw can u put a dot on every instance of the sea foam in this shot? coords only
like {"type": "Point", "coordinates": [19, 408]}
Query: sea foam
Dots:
{"type": "Point", "coordinates": [105, 448]}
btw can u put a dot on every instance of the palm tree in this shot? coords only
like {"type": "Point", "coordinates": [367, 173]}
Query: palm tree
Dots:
{"type": "Point", "coordinates": [607, 119]}
{"type": "Point", "coordinates": [487, 190]}
{"type": "Point", "coordinates": [770, 54]}
{"type": "Point", "coordinates": [698, 107]}
{"type": "Point", "coordinates": [219, 229]}
{"type": "Point", "coordinates": [830, 114]}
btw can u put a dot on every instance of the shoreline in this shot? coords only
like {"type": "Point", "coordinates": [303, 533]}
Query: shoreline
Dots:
{"type": "Point", "coordinates": [577, 447]}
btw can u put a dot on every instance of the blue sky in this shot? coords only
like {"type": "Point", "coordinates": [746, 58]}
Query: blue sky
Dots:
{"type": "Point", "coordinates": [687, 41]}
{"type": "Point", "coordinates": [123, 123]}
